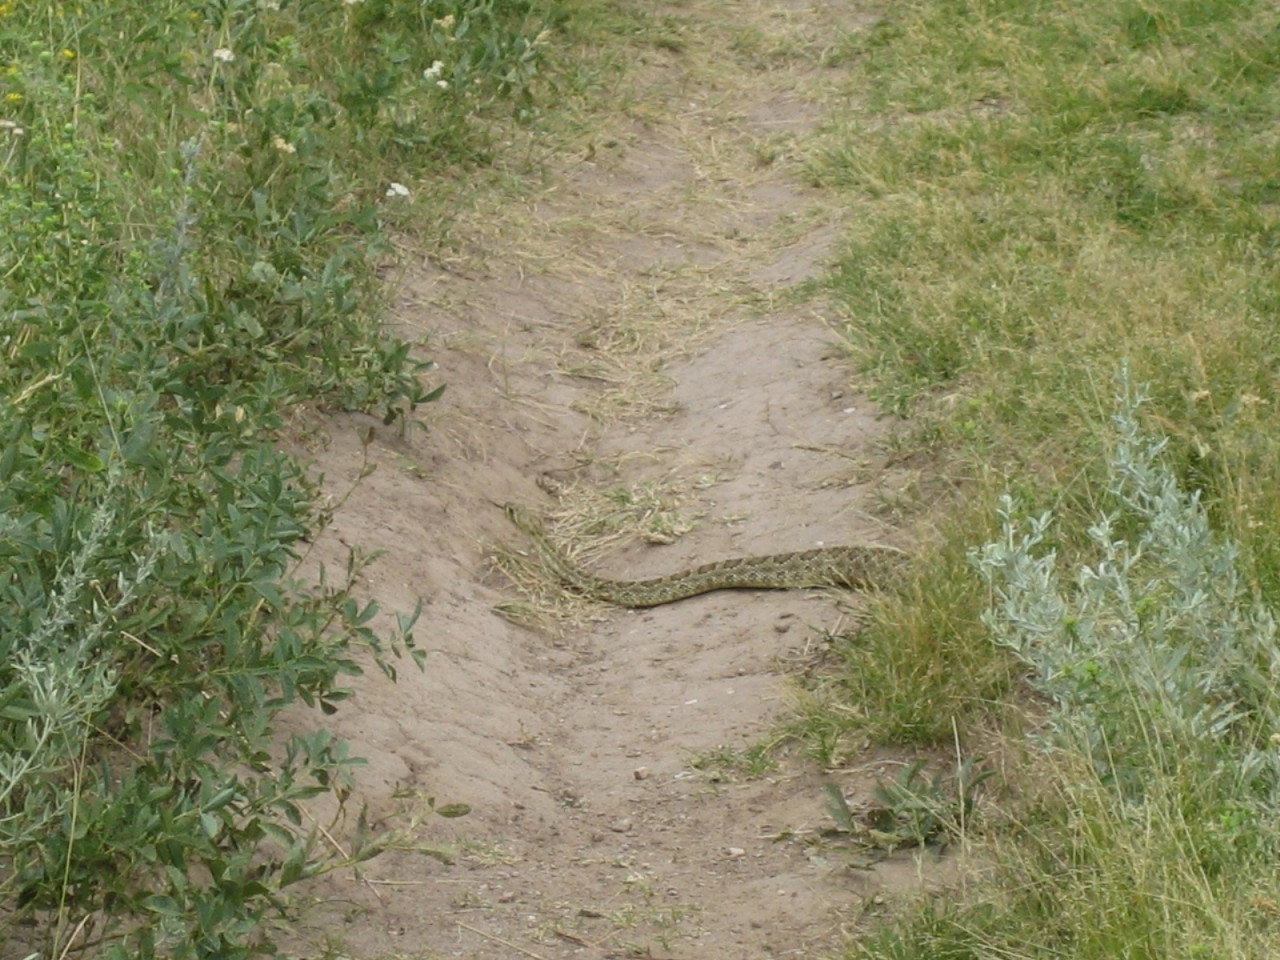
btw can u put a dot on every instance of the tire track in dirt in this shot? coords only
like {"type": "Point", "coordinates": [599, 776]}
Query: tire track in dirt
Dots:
{"type": "Point", "coordinates": [628, 325]}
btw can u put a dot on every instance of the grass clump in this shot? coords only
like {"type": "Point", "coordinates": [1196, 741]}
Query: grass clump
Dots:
{"type": "Point", "coordinates": [193, 207]}
{"type": "Point", "coordinates": [921, 661]}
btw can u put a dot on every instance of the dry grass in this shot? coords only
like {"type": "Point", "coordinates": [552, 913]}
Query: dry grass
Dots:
{"type": "Point", "coordinates": [588, 522]}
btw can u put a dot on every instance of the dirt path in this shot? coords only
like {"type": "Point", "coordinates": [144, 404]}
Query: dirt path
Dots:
{"type": "Point", "coordinates": [627, 331]}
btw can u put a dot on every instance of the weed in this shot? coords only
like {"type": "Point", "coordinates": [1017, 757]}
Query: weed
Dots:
{"type": "Point", "coordinates": [751, 762]}
{"type": "Point", "coordinates": [911, 811]}
{"type": "Point", "coordinates": [1159, 660]}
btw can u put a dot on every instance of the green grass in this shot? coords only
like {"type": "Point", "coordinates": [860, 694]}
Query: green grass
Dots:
{"type": "Point", "coordinates": [1047, 194]}
{"type": "Point", "coordinates": [1030, 214]}
{"type": "Point", "coordinates": [922, 661]}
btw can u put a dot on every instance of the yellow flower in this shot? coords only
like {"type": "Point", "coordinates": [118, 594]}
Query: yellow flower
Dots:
{"type": "Point", "coordinates": [13, 98]}
{"type": "Point", "coordinates": [68, 54]}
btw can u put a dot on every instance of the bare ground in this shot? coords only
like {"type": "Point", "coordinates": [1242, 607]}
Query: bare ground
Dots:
{"type": "Point", "coordinates": [627, 335]}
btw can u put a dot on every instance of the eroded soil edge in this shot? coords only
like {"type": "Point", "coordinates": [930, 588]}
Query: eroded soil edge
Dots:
{"type": "Point", "coordinates": [628, 325]}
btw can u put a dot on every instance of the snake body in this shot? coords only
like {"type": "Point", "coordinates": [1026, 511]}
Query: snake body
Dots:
{"type": "Point", "coordinates": [847, 566]}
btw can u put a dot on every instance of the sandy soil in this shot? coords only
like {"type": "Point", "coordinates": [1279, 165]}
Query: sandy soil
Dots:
{"type": "Point", "coordinates": [628, 326]}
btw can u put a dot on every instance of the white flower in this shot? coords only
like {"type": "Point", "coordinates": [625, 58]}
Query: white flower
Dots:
{"type": "Point", "coordinates": [433, 72]}
{"type": "Point", "coordinates": [224, 55]}
{"type": "Point", "coordinates": [442, 84]}
{"type": "Point", "coordinates": [397, 190]}
{"type": "Point", "coordinates": [283, 145]}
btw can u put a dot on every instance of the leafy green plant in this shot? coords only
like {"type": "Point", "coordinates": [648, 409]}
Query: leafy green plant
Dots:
{"type": "Point", "coordinates": [1162, 620]}
{"type": "Point", "coordinates": [911, 810]}
{"type": "Point", "coordinates": [152, 635]}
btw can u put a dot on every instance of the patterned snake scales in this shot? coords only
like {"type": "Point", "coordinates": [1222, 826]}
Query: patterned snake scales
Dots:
{"type": "Point", "coordinates": [850, 566]}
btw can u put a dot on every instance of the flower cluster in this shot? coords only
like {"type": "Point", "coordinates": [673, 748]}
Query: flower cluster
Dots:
{"type": "Point", "coordinates": [433, 73]}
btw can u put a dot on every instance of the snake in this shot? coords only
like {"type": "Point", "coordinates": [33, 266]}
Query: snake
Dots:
{"type": "Point", "coordinates": [864, 565]}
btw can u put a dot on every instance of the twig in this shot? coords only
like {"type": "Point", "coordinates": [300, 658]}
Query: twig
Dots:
{"type": "Point", "coordinates": [341, 852]}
